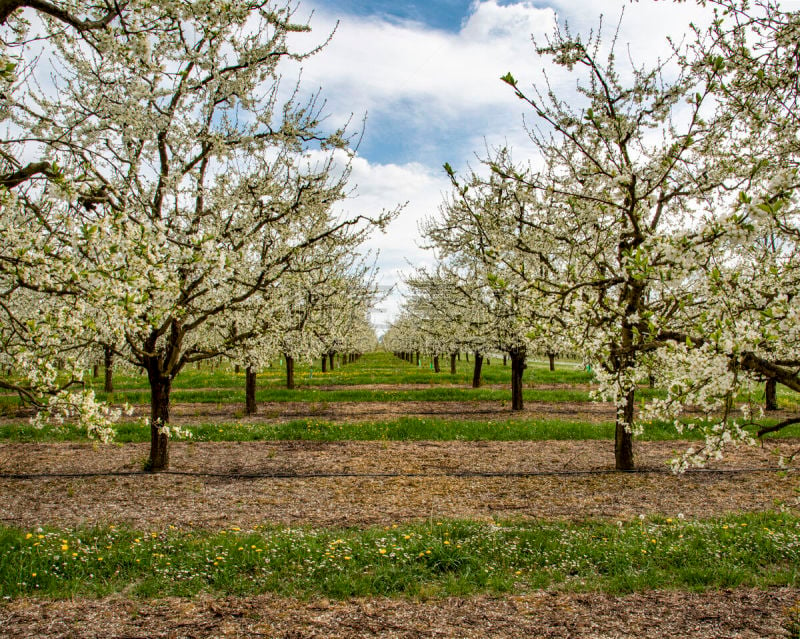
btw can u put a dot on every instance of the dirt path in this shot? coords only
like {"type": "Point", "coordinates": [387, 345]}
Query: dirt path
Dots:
{"type": "Point", "coordinates": [383, 483]}
{"type": "Point", "coordinates": [740, 613]}
{"type": "Point", "coordinates": [185, 413]}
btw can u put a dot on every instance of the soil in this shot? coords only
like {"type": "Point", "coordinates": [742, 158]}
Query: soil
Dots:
{"type": "Point", "coordinates": [186, 413]}
{"type": "Point", "coordinates": [220, 484]}
{"type": "Point", "coordinates": [741, 613]}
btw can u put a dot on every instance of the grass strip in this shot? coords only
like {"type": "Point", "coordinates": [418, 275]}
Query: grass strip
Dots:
{"type": "Point", "coordinates": [435, 558]}
{"type": "Point", "coordinates": [310, 394]}
{"type": "Point", "coordinates": [403, 429]}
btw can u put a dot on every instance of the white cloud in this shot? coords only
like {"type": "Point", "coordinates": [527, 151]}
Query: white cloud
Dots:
{"type": "Point", "coordinates": [384, 186]}
{"type": "Point", "coordinates": [445, 88]}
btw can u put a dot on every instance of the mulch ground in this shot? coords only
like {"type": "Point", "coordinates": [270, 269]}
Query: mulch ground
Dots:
{"type": "Point", "coordinates": [740, 613]}
{"type": "Point", "coordinates": [372, 483]}
{"type": "Point", "coordinates": [426, 484]}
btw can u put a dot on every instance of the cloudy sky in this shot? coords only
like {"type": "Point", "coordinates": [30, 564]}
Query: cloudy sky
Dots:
{"type": "Point", "coordinates": [426, 75]}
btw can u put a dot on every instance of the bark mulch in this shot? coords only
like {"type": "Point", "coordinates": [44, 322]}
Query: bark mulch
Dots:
{"type": "Point", "coordinates": [372, 483]}
{"type": "Point", "coordinates": [739, 613]}
{"type": "Point", "coordinates": [189, 413]}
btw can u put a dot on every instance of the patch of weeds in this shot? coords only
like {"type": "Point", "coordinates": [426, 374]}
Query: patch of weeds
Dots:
{"type": "Point", "coordinates": [791, 621]}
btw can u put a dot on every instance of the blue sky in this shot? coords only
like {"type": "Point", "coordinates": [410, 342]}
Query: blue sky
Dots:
{"type": "Point", "coordinates": [442, 14]}
{"type": "Point", "coordinates": [426, 75]}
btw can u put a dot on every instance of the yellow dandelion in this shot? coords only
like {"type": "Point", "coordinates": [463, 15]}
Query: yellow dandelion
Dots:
{"type": "Point", "coordinates": [382, 551]}
{"type": "Point", "coordinates": [64, 547]}
{"type": "Point", "coordinates": [29, 535]}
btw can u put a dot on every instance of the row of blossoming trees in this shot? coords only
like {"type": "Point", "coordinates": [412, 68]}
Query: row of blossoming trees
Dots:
{"type": "Point", "coordinates": [165, 196]}
{"type": "Point", "coordinates": [657, 233]}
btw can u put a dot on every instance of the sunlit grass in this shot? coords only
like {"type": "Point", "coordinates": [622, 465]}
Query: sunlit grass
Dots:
{"type": "Point", "coordinates": [435, 558]}
{"type": "Point", "coordinates": [402, 429]}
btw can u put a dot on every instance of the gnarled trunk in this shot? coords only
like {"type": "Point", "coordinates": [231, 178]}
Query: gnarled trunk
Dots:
{"type": "Point", "coordinates": [160, 388]}
{"type": "Point", "coordinates": [436, 368]}
{"type": "Point", "coordinates": [552, 358]}
{"type": "Point", "coordinates": [518, 367]}
{"type": "Point", "coordinates": [324, 363]}
{"type": "Point", "coordinates": [289, 372]}
{"type": "Point", "coordinates": [771, 392]}
{"type": "Point", "coordinates": [330, 359]}
{"type": "Point", "coordinates": [108, 362]}
{"type": "Point", "coordinates": [250, 390]}
{"type": "Point", "coordinates": [476, 370]}
{"type": "Point", "coordinates": [623, 438]}
{"type": "Point", "coordinates": [452, 363]}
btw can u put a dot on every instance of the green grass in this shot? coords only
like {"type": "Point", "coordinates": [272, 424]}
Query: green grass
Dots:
{"type": "Point", "coordinates": [371, 368]}
{"type": "Point", "coordinates": [223, 385]}
{"type": "Point", "coordinates": [305, 394]}
{"type": "Point", "coordinates": [403, 429]}
{"type": "Point", "coordinates": [427, 559]}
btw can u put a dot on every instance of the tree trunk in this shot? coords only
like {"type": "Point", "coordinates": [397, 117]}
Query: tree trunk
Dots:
{"type": "Point", "coordinates": [466, 355]}
{"type": "Point", "coordinates": [324, 363]}
{"type": "Point", "coordinates": [108, 362]}
{"type": "Point", "coordinates": [476, 370]}
{"type": "Point", "coordinates": [236, 369]}
{"type": "Point", "coordinates": [459, 356]}
{"type": "Point", "coordinates": [289, 372]}
{"type": "Point", "coordinates": [452, 363]}
{"type": "Point", "coordinates": [419, 361]}
{"type": "Point", "coordinates": [651, 380]}
{"type": "Point", "coordinates": [330, 359]}
{"type": "Point", "coordinates": [552, 358]}
{"type": "Point", "coordinates": [250, 390]}
{"type": "Point", "coordinates": [159, 416]}
{"type": "Point", "coordinates": [504, 360]}
{"type": "Point", "coordinates": [436, 368]}
{"type": "Point", "coordinates": [623, 439]}
{"type": "Point", "coordinates": [518, 367]}
{"type": "Point", "coordinates": [771, 391]}
{"type": "Point", "coordinates": [95, 370]}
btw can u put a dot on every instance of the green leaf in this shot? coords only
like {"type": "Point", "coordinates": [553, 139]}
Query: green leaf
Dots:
{"type": "Point", "coordinates": [509, 79]}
